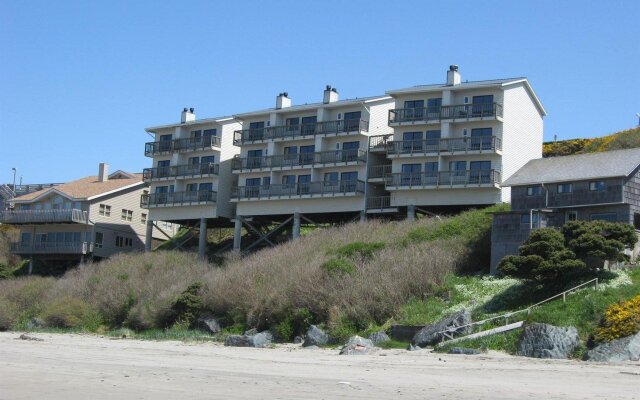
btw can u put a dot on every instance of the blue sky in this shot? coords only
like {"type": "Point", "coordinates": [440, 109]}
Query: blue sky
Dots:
{"type": "Point", "coordinates": [79, 81]}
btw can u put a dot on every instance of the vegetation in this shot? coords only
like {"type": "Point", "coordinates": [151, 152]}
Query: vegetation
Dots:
{"type": "Point", "coordinates": [620, 320]}
{"type": "Point", "coordinates": [626, 139]}
{"type": "Point", "coordinates": [9, 263]}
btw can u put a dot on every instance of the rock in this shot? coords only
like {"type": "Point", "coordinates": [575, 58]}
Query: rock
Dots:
{"type": "Point", "coordinates": [413, 348]}
{"type": "Point", "coordinates": [462, 350]}
{"type": "Point", "coordinates": [315, 337]}
{"type": "Point", "coordinates": [357, 345]}
{"type": "Point", "coordinates": [624, 349]}
{"type": "Point", "coordinates": [429, 335]}
{"type": "Point", "coordinates": [35, 323]}
{"type": "Point", "coordinates": [209, 323]}
{"type": "Point", "coordinates": [379, 337]}
{"type": "Point", "coordinates": [238, 341]}
{"type": "Point", "coordinates": [298, 340]}
{"type": "Point", "coordinates": [31, 338]}
{"type": "Point", "coordinates": [548, 341]}
{"type": "Point", "coordinates": [262, 339]}
{"type": "Point", "coordinates": [250, 332]}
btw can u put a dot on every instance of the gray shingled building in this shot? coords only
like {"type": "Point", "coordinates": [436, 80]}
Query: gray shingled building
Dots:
{"type": "Point", "coordinates": [548, 192]}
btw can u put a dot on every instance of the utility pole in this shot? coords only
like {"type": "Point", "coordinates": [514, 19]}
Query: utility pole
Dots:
{"type": "Point", "coordinates": [14, 180]}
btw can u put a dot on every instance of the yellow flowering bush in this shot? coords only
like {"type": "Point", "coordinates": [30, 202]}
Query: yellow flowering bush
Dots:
{"type": "Point", "coordinates": [620, 320]}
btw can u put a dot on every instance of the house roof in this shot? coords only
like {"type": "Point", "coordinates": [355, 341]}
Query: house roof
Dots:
{"type": "Point", "coordinates": [86, 188]}
{"type": "Point", "coordinates": [608, 164]}
{"type": "Point", "coordinates": [215, 120]}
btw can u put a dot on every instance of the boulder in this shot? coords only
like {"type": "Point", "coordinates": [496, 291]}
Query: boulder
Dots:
{"type": "Point", "coordinates": [462, 350]}
{"type": "Point", "coordinates": [35, 323]}
{"type": "Point", "coordinates": [262, 339]}
{"type": "Point", "coordinates": [298, 340]}
{"type": "Point", "coordinates": [251, 332]}
{"type": "Point", "coordinates": [548, 341]}
{"type": "Point", "coordinates": [315, 337]}
{"type": "Point", "coordinates": [357, 345]}
{"type": "Point", "coordinates": [430, 334]}
{"type": "Point", "coordinates": [413, 348]}
{"type": "Point", "coordinates": [379, 337]}
{"type": "Point", "coordinates": [624, 349]}
{"type": "Point", "coordinates": [209, 324]}
{"type": "Point", "coordinates": [238, 341]}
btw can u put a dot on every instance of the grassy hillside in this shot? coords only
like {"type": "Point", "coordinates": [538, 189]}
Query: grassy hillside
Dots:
{"type": "Point", "coordinates": [620, 140]}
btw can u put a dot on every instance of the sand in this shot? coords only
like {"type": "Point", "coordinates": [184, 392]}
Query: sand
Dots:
{"type": "Point", "coordinates": [65, 366]}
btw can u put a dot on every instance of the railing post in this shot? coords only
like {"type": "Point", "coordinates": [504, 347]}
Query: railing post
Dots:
{"type": "Point", "coordinates": [596, 284]}
{"type": "Point", "coordinates": [564, 297]}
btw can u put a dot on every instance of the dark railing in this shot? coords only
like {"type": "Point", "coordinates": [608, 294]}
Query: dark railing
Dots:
{"type": "Point", "coordinates": [180, 145]}
{"type": "Point", "coordinates": [300, 131]}
{"type": "Point", "coordinates": [446, 178]}
{"type": "Point", "coordinates": [379, 171]}
{"type": "Point", "coordinates": [612, 194]}
{"type": "Point", "coordinates": [380, 142]}
{"type": "Point", "coordinates": [379, 202]}
{"type": "Point", "coordinates": [462, 111]}
{"type": "Point", "coordinates": [297, 189]}
{"type": "Point", "coordinates": [43, 216]}
{"type": "Point", "coordinates": [299, 159]}
{"type": "Point", "coordinates": [21, 190]}
{"type": "Point", "coordinates": [176, 171]}
{"type": "Point", "coordinates": [177, 198]}
{"type": "Point", "coordinates": [446, 145]}
{"type": "Point", "coordinates": [52, 248]}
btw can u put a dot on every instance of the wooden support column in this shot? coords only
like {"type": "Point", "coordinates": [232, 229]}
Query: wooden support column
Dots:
{"type": "Point", "coordinates": [148, 240]}
{"type": "Point", "coordinates": [411, 213]}
{"type": "Point", "coordinates": [296, 225]}
{"type": "Point", "coordinates": [202, 240]}
{"type": "Point", "coordinates": [237, 233]}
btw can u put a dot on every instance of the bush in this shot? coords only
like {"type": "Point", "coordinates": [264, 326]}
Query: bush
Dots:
{"type": "Point", "coordinates": [188, 306]}
{"type": "Point", "coordinates": [599, 240]}
{"type": "Point", "coordinates": [8, 315]}
{"type": "Point", "coordinates": [620, 320]}
{"type": "Point", "coordinates": [360, 249]}
{"type": "Point", "coordinates": [339, 266]}
{"type": "Point", "coordinates": [294, 323]}
{"type": "Point", "coordinates": [70, 312]}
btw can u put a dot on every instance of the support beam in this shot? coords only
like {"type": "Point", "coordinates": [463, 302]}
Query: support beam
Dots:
{"type": "Point", "coordinates": [202, 242]}
{"type": "Point", "coordinates": [411, 213]}
{"type": "Point", "coordinates": [363, 216]}
{"type": "Point", "coordinates": [237, 234]}
{"type": "Point", "coordinates": [296, 225]}
{"type": "Point", "coordinates": [30, 266]}
{"type": "Point", "coordinates": [148, 240]}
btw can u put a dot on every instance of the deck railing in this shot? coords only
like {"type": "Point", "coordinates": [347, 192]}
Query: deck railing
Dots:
{"type": "Point", "coordinates": [300, 131]}
{"type": "Point", "coordinates": [176, 171]}
{"type": "Point", "coordinates": [324, 188]}
{"type": "Point", "coordinates": [181, 145]}
{"type": "Point", "coordinates": [379, 171]}
{"type": "Point", "coordinates": [446, 145]}
{"type": "Point", "coordinates": [299, 159]}
{"type": "Point", "coordinates": [378, 202]}
{"type": "Point", "coordinates": [446, 178]}
{"type": "Point", "coordinates": [177, 198]}
{"type": "Point", "coordinates": [380, 142]}
{"type": "Point", "coordinates": [52, 248]}
{"type": "Point", "coordinates": [43, 216]}
{"type": "Point", "coordinates": [460, 111]}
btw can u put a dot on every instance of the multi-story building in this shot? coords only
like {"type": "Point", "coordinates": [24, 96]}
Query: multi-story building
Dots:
{"type": "Point", "coordinates": [551, 191]}
{"type": "Point", "coordinates": [190, 181]}
{"type": "Point", "coordinates": [9, 191]}
{"type": "Point", "coordinates": [453, 144]}
{"type": "Point", "coordinates": [93, 217]}
{"type": "Point", "coordinates": [307, 159]}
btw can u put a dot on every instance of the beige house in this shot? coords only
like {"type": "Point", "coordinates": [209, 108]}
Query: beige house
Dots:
{"type": "Point", "coordinates": [89, 218]}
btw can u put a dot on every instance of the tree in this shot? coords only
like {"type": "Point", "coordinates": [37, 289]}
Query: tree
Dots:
{"type": "Point", "coordinates": [596, 241]}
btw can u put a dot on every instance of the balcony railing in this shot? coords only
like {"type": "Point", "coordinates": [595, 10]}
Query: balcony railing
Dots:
{"type": "Point", "coordinates": [380, 142]}
{"type": "Point", "coordinates": [379, 171]}
{"type": "Point", "coordinates": [446, 145]}
{"type": "Point", "coordinates": [378, 202]}
{"type": "Point", "coordinates": [612, 194]}
{"type": "Point", "coordinates": [462, 111]}
{"type": "Point", "coordinates": [52, 248]}
{"type": "Point", "coordinates": [321, 189]}
{"type": "Point", "coordinates": [331, 157]}
{"type": "Point", "coordinates": [300, 131]}
{"type": "Point", "coordinates": [446, 179]}
{"type": "Point", "coordinates": [43, 216]}
{"type": "Point", "coordinates": [181, 145]}
{"type": "Point", "coordinates": [177, 171]}
{"type": "Point", "coordinates": [177, 198]}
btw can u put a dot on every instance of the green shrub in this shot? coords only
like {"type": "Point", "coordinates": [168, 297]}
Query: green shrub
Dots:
{"type": "Point", "coordinates": [294, 323]}
{"type": "Point", "coordinates": [359, 249]}
{"type": "Point", "coordinates": [8, 315]}
{"type": "Point", "coordinates": [71, 312]}
{"type": "Point", "coordinates": [339, 266]}
{"type": "Point", "coordinates": [188, 306]}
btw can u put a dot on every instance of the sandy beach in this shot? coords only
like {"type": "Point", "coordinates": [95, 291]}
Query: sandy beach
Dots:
{"type": "Point", "coordinates": [64, 366]}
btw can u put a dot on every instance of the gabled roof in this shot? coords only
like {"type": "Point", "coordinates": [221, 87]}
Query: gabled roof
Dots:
{"type": "Point", "coordinates": [86, 188]}
{"type": "Point", "coordinates": [215, 120]}
{"type": "Point", "coordinates": [608, 164]}
{"type": "Point", "coordinates": [468, 85]}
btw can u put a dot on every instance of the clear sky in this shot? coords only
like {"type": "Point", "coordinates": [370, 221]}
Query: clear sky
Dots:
{"type": "Point", "coordinates": [79, 81]}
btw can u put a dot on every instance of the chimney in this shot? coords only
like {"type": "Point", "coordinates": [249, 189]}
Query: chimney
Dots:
{"type": "Point", "coordinates": [330, 95]}
{"type": "Point", "coordinates": [103, 172]}
{"type": "Point", "coordinates": [453, 76]}
{"type": "Point", "coordinates": [283, 101]}
{"type": "Point", "coordinates": [188, 115]}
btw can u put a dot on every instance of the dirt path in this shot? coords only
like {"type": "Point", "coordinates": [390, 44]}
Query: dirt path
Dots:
{"type": "Point", "coordinates": [91, 367]}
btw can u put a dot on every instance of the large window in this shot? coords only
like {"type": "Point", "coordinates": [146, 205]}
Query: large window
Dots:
{"type": "Point", "coordinates": [348, 181]}
{"type": "Point", "coordinates": [481, 139]}
{"type": "Point", "coordinates": [413, 110]}
{"type": "Point", "coordinates": [208, 134]}
{"type": "Point", "coordinates": [330, 179]}
{"type": "Point", "coordinates": [104, 210]}
{"type": "Point", "coordinates": [597, 186]}
{"type": "Point", "coordinates": [411, 141]}
{"type": "Point", "coordinates": [127, 215]}
{"type": "Point", "coordinates": [565, 188]}
{"type": "Point", "coordinates": [534, 191]}
{"type": "Point", "coordinates": [611, 217]}
{"type": "Point", "coordinates": [410, 174]}
{"type": "Point", "coordinates": [252, 187]}
{"type": "Point", "coordinates": [433, 105]}
{"type": "Point", "coordinates": [304, 184]}
{"type": "Point", "coordinates": [350, 151]}
{"type": "Point", "coordinates": [292, 123]}
{"type": "Point", "coordinates": [99, 239]}
{"type": "Point", "coordinates": [254, 158]}
{"type": "Point", "coordinates": [256, 130]}
{"type": "Point", "coordinates": [432, 140]}
{"type": "Point", "coordinates": [308, 125]}
{"type": "Point", "coordinates": [480, 172]}
{"type": "Point", "coordinates": [165, 142]}
{"type": "Point", "coordinates": [306, 153]}
{"type": "Point", "coordinates": [123, 241]}
{"type": "Point", "coordinates": [482, 105]}
{"type": "Point", "coordinates": [352, 120]}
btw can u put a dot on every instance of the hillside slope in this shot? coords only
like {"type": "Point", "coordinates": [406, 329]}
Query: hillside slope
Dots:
{"type": "Point", "coordinates": [616, 141]}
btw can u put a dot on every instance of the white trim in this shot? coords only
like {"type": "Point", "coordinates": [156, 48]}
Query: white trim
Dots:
{"type": "Point", "coordinates": [41, 195]}
{"type": "Point", "coordinates": [115, 191]}
{"type": "Point", "coordinates": [216, 120]}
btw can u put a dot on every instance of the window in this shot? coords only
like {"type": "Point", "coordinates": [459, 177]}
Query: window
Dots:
{"type": "Point", "coordinates": [309, 125]}
{"type": "Point", "coordinates": [482, 105]}
{"type": "Point", "coordinates": [104, 210]}
{"type": "Point", "coordinates": [165, 142]}
{"type": "Point", "coordinates": [304, 184]}
{"type": "Point", "coordinates": [192, 187]}
{"type": "Point", "coordinates": [480, 172]}
{"type": "Point", "coordinates": [481, 139]}
{"type": "Point", "coordinates": [348, 181]}
{"type": "Point", "coordinates": [571, 216]}
{"type": "Point", "coordinates": [534, 191]}
{"type": "Point", "coordinates": [413, 110]}
{"type": "Point", "coordinates": [143, 218]}
{"type": "Point", "coordinates": [458, 168]}
{"type": "Point", "coordinates": [330, 179]}
{"type": "Point", "coordinates": [254, 158]}
{"type": "Point", "coordinates": [306, 154]}
{"type": "Point", "coordinates": [414, 104]}
{"type": "Point", "coordinates": [433, 105]}
{"type": "Point", "coordinates": [99, 238]}
{"type": "Point", "coordinates": [352, 120]}
{"type": "Point", "coordinates": [256, 130]}
{"type": "Point", "coordinates": [411, 141]}
{"type": "Point", "coordinates": [433, 139]}
{"type": "Point", "coordinates": [208, 135]}
{"type": "Point", "coordinates": [122, 241]}
{"type": "Point", "coordinates": [252, 187]}
{"type": "Point", "coordinates": [127, 215]}
{"type": "Point", "coordinates": [636, 220]}
{"type": "Point", "coordinates": [525, 219]}
{"type": "Point", "coordinates": [292, 124]}
{"type": "Point", "coordinates": [565, 188]}
{"type": "Point", "coordinates": [597, 186]}
{"type": "Point", "coordinates": [410, 174]}
{"type": "Point", "coordinates": [611, 217]}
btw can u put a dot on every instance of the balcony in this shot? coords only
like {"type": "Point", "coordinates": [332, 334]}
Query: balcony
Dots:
{"type": "Point", "coordinates": [445, 146]}
{"type": "Point", "coordinates": [78, 248]}
{"type": "Point", "coordinates": [298, 190]}
{"type": "Point", "coordinates": [302, 131]}
{"type": "Point", "coordinates": [177, 199]}
{"type": "Point", "coordinates": [612, 194]}
{"type": "Point", "coordinates": [180, 171]}
{"type": "Point", "coordinates": [446, 179]}
{"type": "Point", "coordinates": [380, 142]}
{"type": "Point", "coordinates": [67, 216]}
{"type": "Point", "coordinates": [427, 115]}
{"type": "Point", "coordinates": [300, 160]}
{"type": "Point", "coordinates": [378, 172]}
{"type": "Point", "coordinates": [182, 145]}
{"type": "Point", "coordinates": [380, 204]}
